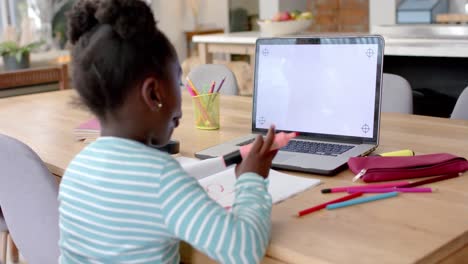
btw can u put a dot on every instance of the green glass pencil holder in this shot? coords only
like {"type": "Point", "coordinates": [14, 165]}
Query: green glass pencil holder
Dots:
{"type": "Point", "coordinates": [206, 111]}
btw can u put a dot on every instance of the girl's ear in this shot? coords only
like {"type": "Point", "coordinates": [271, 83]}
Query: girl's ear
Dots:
{"type": "Point", "coordinates": [151, 93]}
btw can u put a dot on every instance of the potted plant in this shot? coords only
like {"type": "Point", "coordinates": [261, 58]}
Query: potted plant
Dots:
{"type": "Point", "coordinates": [16, 57]}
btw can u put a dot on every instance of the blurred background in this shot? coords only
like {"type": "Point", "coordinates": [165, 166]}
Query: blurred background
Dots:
{"type": "Point", "coordinates": [426, 40]}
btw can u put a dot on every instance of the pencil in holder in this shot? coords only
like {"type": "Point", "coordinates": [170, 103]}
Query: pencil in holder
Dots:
{"type": "Point", "coordinates": [206, 111]}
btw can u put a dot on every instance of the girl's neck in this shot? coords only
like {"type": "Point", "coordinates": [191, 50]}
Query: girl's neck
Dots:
{"type": "Point", "coordinates": [127, 121]}
{"type": "Point", "coordinates": [111, 131]}
{"type": "Point", "coordinates": [124, 128]}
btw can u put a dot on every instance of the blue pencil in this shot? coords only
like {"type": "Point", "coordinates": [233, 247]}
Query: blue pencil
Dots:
{"type": "Point", "coordinates": [362, 200]}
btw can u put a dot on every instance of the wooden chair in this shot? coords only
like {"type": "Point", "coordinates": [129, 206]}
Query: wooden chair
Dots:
{"type": "Point", "coordinates": [35, 76]}
{"type": "Point", "coordinates": [4, 236]}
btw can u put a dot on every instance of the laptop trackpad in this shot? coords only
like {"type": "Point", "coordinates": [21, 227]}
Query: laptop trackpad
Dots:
{"type": "Point", "coordinates": [283, 156]}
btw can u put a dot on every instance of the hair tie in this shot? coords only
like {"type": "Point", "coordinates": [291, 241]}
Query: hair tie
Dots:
{"type": "Point", "coordinates": [96, 72]}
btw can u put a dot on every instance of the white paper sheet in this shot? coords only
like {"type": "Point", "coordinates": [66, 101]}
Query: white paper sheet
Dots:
{"type": "Point", "coordinates": [220, 186]}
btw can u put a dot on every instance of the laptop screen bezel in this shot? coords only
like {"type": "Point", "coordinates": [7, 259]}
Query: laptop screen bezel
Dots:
{"type": "Point", "coordinates": [327, 40]}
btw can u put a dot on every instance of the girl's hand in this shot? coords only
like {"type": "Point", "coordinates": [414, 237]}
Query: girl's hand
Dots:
{"type": "Point", "coordinates": [260, 156]}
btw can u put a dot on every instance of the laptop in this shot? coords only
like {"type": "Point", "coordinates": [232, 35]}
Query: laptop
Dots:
{"type": "Point", "coordinates": [328, 89]}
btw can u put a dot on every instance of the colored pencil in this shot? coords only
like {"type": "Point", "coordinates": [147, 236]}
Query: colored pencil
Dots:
{"type": "Point", "coordinates": [193, 86]}
{"type": "Point", "coordinates": [386, 190]}
{"type": "Point", "coordinates": [217, 90]}
{"type": "Point", "coordinates": [431, 180]}
{"type": "Point", "coordinates": [362, 200]}
{"type": "Point", "coordinates": [212, 87]}
{"type": "Point", "coordinates": [221, 84]}
{"type": "Point", "coordinates": [321, 206]}
{"type": "Point", "coordinates": [356, 187]}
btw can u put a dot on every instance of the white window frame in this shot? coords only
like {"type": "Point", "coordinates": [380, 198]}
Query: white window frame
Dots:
{"type": "Point", "coordinates": [4, 13]}
{"type": "Point", "coordinates": [8, 13]}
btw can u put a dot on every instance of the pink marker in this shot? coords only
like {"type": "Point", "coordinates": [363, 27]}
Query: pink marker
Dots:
{"type": "Point", "coordinates": [385, 190]}
{"type": "Point", "coordinates": [281, 140]}
{"type": "Point", "coordinates": [190, 91]}
{"type": "Point", "coordinates": [212, 87]}
{"type": "Point", "coordinates": [368, 186]}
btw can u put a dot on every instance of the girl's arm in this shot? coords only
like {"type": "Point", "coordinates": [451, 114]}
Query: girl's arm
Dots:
{"type": "Point", "coordinates": [241, 236]}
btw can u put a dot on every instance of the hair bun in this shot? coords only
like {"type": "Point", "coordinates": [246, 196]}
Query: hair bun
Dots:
{"type": "Point", "coordinates": [127, 17]}
{"type": "Point", "coordinates": [81, 19]}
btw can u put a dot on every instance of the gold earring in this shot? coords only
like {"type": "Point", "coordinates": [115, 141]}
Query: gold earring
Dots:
{"type": "Point", "coordinates": [159, 105]}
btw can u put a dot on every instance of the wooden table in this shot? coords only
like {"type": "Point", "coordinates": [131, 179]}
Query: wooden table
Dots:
{"type": "Point", "coordinates": [198, 31]}
{"type": "Point", "coordinates": [452, 18]}
{"type": "Point", "coordinates": [412, 228]}
{"type": "Point", "coordinates": [230, 43]}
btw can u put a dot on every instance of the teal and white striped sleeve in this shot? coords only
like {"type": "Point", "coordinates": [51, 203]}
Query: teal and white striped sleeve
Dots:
{"type": "Point", "coordinates": [241, 236]}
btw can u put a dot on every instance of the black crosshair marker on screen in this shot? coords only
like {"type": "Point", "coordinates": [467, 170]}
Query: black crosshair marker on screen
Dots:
{"type": "Point", "coordinates": [365, 128]}
{"type": "Point", "coordinates": [369, 53]}
{"type": "Point", "coordinates": [265, 52]}
{"type": "Point", "coordinates": [261, 120]}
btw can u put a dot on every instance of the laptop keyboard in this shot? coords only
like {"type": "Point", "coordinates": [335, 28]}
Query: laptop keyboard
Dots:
{"type": "Point", "coordinates": [246, 142]}
{"type": "Point", "coordinates": [310, 147]}
{"type": "Point", "coordinates": [316, 148]}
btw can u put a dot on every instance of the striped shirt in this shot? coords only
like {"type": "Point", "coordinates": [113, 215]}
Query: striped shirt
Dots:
{"type": "Point", "coordinates": [124, 202]}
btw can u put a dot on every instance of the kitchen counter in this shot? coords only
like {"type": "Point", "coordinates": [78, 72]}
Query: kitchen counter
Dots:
{"type": "Point", "coordinates": [425, 40]}
{"type": "Point", "coordinates": [433, 59]}
{"type": "Point", "coordinates": [423, 31]}
{"type": "Point", "coordinates": [395, 44]}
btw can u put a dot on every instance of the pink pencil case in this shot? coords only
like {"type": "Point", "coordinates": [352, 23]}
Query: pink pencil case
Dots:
{"type": "Point", "coordinates": [376, 168]}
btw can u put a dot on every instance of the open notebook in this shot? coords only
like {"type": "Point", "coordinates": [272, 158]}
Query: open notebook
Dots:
{"type": "Point", "coordinates": [220, 185]}
{"type": "Point", "coordinates": [88, 131]}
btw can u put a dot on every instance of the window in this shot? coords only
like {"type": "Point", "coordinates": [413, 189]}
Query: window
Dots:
{"type": "Point", "coordinates": [11, 14]}
{"type": "Point", "coordinates": [4, 17]}
{"type": "Point", "coordinates": [43, 15]}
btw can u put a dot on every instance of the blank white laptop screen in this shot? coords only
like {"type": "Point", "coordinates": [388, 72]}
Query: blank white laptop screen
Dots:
{"type": "Point", "coordinates": [323, 89]}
